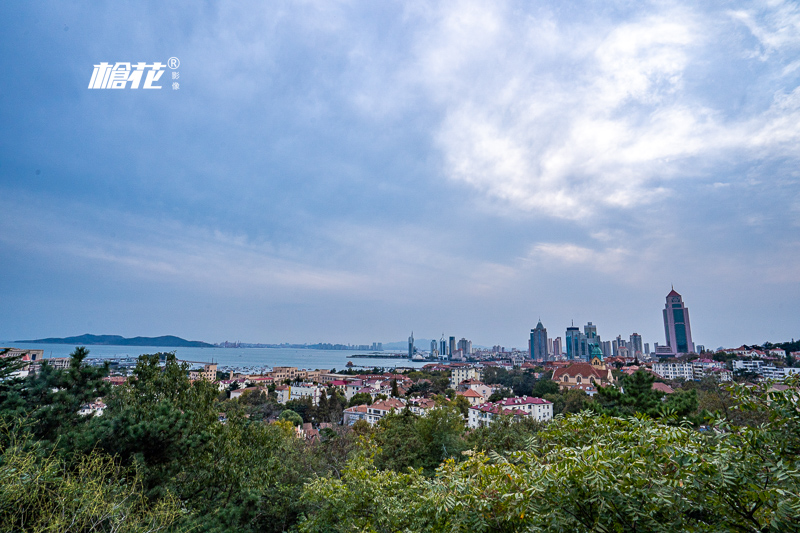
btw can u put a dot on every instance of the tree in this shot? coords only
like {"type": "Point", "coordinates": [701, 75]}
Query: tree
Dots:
{"type": "Point", "coordinates": [155, 421]}
{"type": "Point", "coordinates": [545, 386]}
{"type": "Point", "coordinates": [360, 398]}
{"type": "Point", "coordinates": [292, 417]}
{"type": "Point", "coordinates": [505, 434]}
{"type": "Point", "coordinates": [53, 397]}
{"type": "Point", "coordinates": [462, 405]}
{"type": "Point", "coordinates": [41, 492]}
{"type": "Point", "coordinates": [395, 391]}
{"type": "Point", "coordinates": [636, 396]}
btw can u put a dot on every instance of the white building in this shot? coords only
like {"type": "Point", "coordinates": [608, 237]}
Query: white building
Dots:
{"type": "Point", "coordinates": [536, 408]}
{"type": "Point", "coordinates": [461, 373]}
{"type": "Point", "coordinates": [372, 413]}
{"type": "Point", "coordinates": [306, 390]}
{"type": "Point", "coordinates": [674, 370]}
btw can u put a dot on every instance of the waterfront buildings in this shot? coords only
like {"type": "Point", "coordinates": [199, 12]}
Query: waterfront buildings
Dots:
{"type": "Point", "coordinates": [677, 329]}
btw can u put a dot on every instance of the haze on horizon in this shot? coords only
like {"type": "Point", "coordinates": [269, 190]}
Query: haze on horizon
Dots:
{"type": "Point", "coordinates": [351, 171]}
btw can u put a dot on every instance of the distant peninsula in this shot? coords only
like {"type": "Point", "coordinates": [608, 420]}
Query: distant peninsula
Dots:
{"type": "Point", "coordinates": [117, 340]}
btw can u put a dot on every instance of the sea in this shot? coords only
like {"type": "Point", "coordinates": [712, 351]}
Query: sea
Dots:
{"type": "Point", "coordinates": [252, 360]}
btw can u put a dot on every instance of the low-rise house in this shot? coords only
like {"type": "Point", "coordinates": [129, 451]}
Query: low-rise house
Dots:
{"type": "Point", "coordinates": [473, 397]}
{"type": "Point", "coordinates": [95, 408]}
{"type": "Point", "coordinates": [588, 388]}
{"type": "Point", "coordinates": [352, 414]}
{"type": "Point", "coordinates": [421, 406]}
{"type": "Point", "coordinates": [372, 413]}
{"type": "Point", "coordinates": [306, 390]}
{"type": "Point", "coordinates": [250, 390]}
{"type": "Point", "coordinates": [594, 373]}
{"type": "Point", "coordinates": [224, 384]}
{"type": "Point", "coordinates": [352, 388]}
{"type": "Point", "coordinates": [477, 386]}
{"type": "Point", "coordinates": [535, 408]}
{"type": "Point", "coordinates": [662, 387]}
{"type": "Point", "coordinates": [284, 393]}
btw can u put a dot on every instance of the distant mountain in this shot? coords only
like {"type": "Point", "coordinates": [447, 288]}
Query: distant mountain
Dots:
{"type": "Point", "coordinates": [170, 341]}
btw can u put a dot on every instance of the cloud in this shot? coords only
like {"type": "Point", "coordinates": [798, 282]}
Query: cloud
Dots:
{"type": "Point", "coordinates": [613, 126]}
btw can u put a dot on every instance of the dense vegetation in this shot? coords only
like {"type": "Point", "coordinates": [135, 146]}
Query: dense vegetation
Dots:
{"type": "Point", "coordinates": [160, 458]}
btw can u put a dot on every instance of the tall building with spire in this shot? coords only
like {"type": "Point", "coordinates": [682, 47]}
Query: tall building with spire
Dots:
{"type": "Point", "coordinates": [676, 325]}
{"type": "Point", "coordinates": [411, 346]}
{"type": "Point", "coordinates": [539, 342]}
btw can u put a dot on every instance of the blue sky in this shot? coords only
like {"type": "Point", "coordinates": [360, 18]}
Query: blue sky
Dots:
{"type": "Point", "coordinates": [350, 171]}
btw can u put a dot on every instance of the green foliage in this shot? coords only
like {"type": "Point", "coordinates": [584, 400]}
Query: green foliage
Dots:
{"type": "Point", "coordinates": [408, 440]}
{"type": "Point", "coordinates": [638, 396]}
{"type": "Point", "coordinates": [291, 416]}
{"type": "Point", "coordinates": [40, 492]}
{"type": "Point", "coordinates": [505, 434]}
{"type": "Point", "coordinates": [360, 398]}
{"type": "Point", "coordinates": [365, 498]}
{"type": "Point", "coordinates": [52, 397]}
{"type": "Point", "coordinates": [155, 421]}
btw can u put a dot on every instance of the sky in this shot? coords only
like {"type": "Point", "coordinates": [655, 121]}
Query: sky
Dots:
{"type": "Point", "coordinates": [352, 171]}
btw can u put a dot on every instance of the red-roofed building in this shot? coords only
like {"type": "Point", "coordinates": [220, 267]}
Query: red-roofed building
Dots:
{"type": "Point", "coordinates": [594, 373]}
{"type": "Point", "coordinates": [536, 408]}
{"type": "Point", "coordinates": [473, 397]}
{"type": "Point", "coordinates": [662, 388]}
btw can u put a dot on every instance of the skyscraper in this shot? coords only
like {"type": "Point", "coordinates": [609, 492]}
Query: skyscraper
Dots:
{"type": "Point", "coordinates": [577, 345]}
{"type": "Point", "coordinates": [557, 346]}
{"type": "Point", "coordinates": [411, 346]}
{"type": "Point", "coordinates": [636, 346]}
{"type": "Point", "coordinates": [442, 347]}
{"type": "Point", "coordinates": [539, 342]}
{"type": "Point", "coordinates": [676, 325]}
{"type": "Point", "coordinates": [592, 338]}
{"type": "Point", "coordinates": [452, 347]}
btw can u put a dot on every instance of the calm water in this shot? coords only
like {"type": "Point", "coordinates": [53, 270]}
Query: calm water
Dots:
{"type": "Point", "coordinates": [254, 358]}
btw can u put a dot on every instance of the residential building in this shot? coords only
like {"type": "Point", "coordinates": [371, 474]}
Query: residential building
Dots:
{"type": "Point", "coordinates": [306, 390]}
{"type": "Point", "coordinates": [373, 413]}
{"type": "Point", "coordinates": [251, 390]}
{"type": "Point", "coordinates": [461, 373]}
{"type": "Point", "coordinates": [594, 373]}
{"type": "Point", "coordinates": [284, 393]}
{"type": "Point", "coordinates": [484, 415]}
{"type": "Point", "coordinates": [677, 328]}
{"type": "Point", "coordinates": [472, 396]}
{"type": "Point", "coordinates": [282, 373]}
{"type": "Point", "coordinates": [209, 373]}
{"type": "Point", "coordinates": [421, 406]}
{"type": "Point", "coordinates": [674, 370]}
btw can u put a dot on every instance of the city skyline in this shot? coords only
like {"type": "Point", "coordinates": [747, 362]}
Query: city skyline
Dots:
{"type": "Point", "coordinates": [346, 172]}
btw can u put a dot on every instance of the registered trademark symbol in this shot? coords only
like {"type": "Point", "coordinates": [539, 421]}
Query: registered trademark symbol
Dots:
{"type": "Point", "coordinates": [174, 63]}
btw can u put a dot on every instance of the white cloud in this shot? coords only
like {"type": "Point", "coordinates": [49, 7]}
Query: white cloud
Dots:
{"type": "Point", "coordinates": [609, 127]}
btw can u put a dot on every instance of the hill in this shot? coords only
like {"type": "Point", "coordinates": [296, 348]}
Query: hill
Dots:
{"type": "Point", "coordinates": [117, 340]}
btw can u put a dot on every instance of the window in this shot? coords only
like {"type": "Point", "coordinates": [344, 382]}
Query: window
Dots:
{"type": "Point", "coordinates": [578, 379]}
{"type": "Point", "coordinates": [566, 379]}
